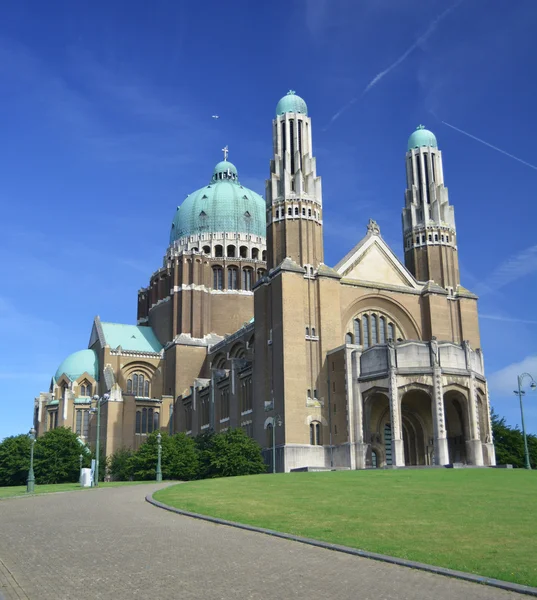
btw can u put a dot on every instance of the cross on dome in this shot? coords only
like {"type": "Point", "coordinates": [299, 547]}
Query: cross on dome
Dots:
{"type": "Point", "coordinates": [420, 127]}
{"type": "Point", "coordinates": [225, 150]}
{"type": "Point", "coordinates": [291, 93]}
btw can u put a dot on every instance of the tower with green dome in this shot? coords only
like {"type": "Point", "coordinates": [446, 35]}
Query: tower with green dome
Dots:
{"type": "Point", "coordinates": [294, 194]}
{"type": "Point", "coordinates": [429, 232]}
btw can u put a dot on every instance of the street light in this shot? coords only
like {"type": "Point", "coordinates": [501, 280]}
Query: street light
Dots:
{"type": "Point", "coordinates": [520, 392]}
{"type": "Point", "coordinates": [276, 420]}
{"type": "Point", "coordinates": [97, 443]}
{"type": "Point", "coordinates": [159, 465]}
{"type": "Point", "coordinates": [80, 458]}
{"type": "Point", "coordinates": [30, 483]}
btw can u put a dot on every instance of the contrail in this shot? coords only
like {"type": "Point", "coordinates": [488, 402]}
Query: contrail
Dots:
{"type": "Point", "coordinates": [490, 145]}
{"type": "Point", "coordinates": [424, 36]}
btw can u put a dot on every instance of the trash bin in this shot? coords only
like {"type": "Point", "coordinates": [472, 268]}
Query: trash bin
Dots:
{"type": "Point", "coordinates": [85, 479]}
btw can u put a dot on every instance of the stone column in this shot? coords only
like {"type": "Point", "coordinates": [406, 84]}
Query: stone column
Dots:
{"type": "Point", "coordinates": [489, 457]}
{"type": "Point", "coordinates": [474, 448]}
{"type": "Point", "coordinates": [398, 453]}
{"type": "Point", "coordinates": [355, 411]}
{"type": "Point", "coordinates": [441, 452]}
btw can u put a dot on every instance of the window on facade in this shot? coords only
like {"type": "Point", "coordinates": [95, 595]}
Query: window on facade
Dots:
{"type": "Point", "coordinates": [218, 251]}
{"type": "Point", "coordinates": [188, 417]}
{"type": "Point", "coordinates": [382, 330]}
{"type": "Point", "coordinates": [170, 421]}
{"type": "Point", "coordinates": [290, 211]}
{"type": "Point", "coordinates": [247, 277]}
{"type": "Point", "coordinates": [217, 278]}
{"type": "Point", "coordinates": [64, 391]}
{"type": "Point", "coordinates": [147, 420]}
{"type": "Point", "coordinates": [138, 385]}
{"type": "Point", "coordinates": [207, 249]}
{"type": "Point", "coordinates": [246, 394]}
{"type": "Point", "coordinates": [357, 331]}
{"type": "Point", "coordinates": [309, 212]}
{"type": "Point", "coordinates": [391, 331]}
{"type": "Point", "coordinates": [296, 210]}
{"type": "Point", "coordinates": [205, 417]}
{"type": "Point", "coordinates": [430, 237]}
{"type": "Point", "coordinates": [269, 436]}
{"type": "Point", "coordinates": [374, 338]}
{"type": "Point", "coordinates": [224, 404]}
{"type": "Point", "coordinates": [248, 428]}
{"type": "Point", "coordinates": [53, 419]}
{"type": "Point", "coordinates": [264, 255]}
{"type": "Point", "coordinates": [365, 321]}
{"type": "Point", "coordinates": [231, 251]}
{"type": "Point", "coordinates": [309, 393]}
{"type": "Point", "coordinates": [86, 389]}
{"type": "Point", "coordinates": [315, 433]}
{"type": "Point", "coordinates": [313, 331]}
{"type": "Point", "coordinates": [255, 253]}
{"type": "Point", "coordinates": [349, 338]}
{"type": "Point", "coordinates": [277, 213]}
{"type": "Point", "coordinates": [307, 331]}
{"type": "Point", "coordinates": [436, 237]}
{"type": "Point", "coordinates": [78, 427]}
{"type": "Point", "coordinates": [243, 251]}
{"type": "Point", "coordinates": [232, 278]}
{"type": "Point", "coordinates": [85, 421]}
{"type": "Point", "coordinates": [303, 212]}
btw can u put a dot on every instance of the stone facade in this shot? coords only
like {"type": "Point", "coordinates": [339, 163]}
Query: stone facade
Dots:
{"type": "Point", "coordinates": [370, 363]}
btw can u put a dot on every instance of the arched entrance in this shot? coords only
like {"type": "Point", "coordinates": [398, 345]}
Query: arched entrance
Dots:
{"type": "Point", "coordinates": [377, 429]}
{"type": "Point", "coordinates": [457, 428]}
{"type": "Point", "coordinates": [417, 424]}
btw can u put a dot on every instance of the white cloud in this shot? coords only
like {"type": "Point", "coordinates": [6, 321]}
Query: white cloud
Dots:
{"type": "Point", "coordinates": [504, 381]}
{"type": "Point", "coordinates": [519, 265]}
{"type": "Point", "coordinates": [507, 319]}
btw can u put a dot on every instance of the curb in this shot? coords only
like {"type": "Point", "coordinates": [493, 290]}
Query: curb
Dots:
{"type": "Point", "coordinates": [497, 583]}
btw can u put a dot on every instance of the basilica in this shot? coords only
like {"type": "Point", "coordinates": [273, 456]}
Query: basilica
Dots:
{"type": "Point", "coordinates": [368, 363]}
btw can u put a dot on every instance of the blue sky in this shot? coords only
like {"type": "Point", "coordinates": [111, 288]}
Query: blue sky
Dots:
{"type": "Point", "coordinates": [106, 125]}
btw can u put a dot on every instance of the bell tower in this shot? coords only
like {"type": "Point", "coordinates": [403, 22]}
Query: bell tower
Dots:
{"type": "Point", "coordinates": [293, 192]}
{"type": "Point", "coordinates": [428, 219]}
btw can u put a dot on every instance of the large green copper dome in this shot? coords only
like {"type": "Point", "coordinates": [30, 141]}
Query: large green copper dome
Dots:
{"type": "Point", "coordinates": [78, 363]}
{"type": "Point", "coordinates": [222, 206]}
{"type": "Point", "coordinates": [422, 137]}
{"type": "Point", "coordinates": [291, 103]}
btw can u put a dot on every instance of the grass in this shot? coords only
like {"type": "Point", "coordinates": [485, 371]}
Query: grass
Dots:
{"type": "Point", "coordinates": [481, 521]}
{"type": "Point", "coordinates": [20, 490]}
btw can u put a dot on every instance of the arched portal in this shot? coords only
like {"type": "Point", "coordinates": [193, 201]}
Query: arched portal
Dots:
{"type": "Point", "coordinates": [377, 429]}
{"type": "Point", "coordinates": [457, 426]}
{"type": "Point", "coordinates": [417, 425]}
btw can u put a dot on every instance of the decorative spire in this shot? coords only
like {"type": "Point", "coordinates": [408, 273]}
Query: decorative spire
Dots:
{"type": "Point", "coordinates": [373, 228]}
{"type": "Point", "coordinates": [225, 150]}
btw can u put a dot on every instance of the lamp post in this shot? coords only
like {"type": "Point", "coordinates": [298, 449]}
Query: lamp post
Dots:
{"type": "Point", "coordinates": [80, 459]}
{"type": "Point", "coordinates": [98, 440]}
{"type": "Point", "coordinates": [276, 420]}
{"type": "Point", "coordinates": [159, 461]}
{"type": "Point", "coordinates": [520, 392]}
{"type": "Point", "coordinates": [30, 483]}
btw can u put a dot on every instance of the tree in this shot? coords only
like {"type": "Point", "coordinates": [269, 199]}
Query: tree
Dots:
{"type": "Point", "coordinates": [120, 464]}
{"type": "Point", "coordinates": [232, 453]}
{"type": "Point", "coordinates": [143, 462]}
{"type": "Point", "coordinates": [57, 456]}
{"type": "Point", "coordinates": [14, 460]}
{"type": "Point", "coordinates": [509, 443]}
{"type": "Point", "coordinates": [184, 459]}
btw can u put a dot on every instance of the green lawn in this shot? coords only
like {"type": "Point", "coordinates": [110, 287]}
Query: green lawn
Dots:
{"type": "Point", "coordinates": [20, 490]}
{"type": "Point", "coordinates": [480, 521]}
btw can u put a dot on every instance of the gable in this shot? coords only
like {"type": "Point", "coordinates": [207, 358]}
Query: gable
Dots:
{"type": "Point", "coordinates": [372, 260]}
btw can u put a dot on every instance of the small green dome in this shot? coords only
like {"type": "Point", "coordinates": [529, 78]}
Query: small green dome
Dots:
{"type": "Point", "coordinates": [422, 137]}
{"type": "Point", "coordinates": [83, 361]}
{"type": "Point", "coordinates": [291, 103]}
{"type": "Point", "coordinates": [222, 206]}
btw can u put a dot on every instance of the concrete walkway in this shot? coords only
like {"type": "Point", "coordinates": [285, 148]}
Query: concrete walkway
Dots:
{"type": "Point", "coordinates": [111, 544]}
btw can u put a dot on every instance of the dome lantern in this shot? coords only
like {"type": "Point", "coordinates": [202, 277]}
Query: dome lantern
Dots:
{"type": "Point", "coordinates": [291, 103]}
{"type": "Point", "coordinates": [422, 137]}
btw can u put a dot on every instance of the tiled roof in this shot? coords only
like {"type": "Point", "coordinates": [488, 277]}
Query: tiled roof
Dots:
{"type": "Point", "coordinates": [136, 338]}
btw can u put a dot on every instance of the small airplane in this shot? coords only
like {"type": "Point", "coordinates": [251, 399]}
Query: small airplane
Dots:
{"type": "Point", "coordinates": [216, 116]}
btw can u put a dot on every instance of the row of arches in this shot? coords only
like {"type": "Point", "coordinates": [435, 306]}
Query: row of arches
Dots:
{"type": "Point", "coordinates": [233, 278]}
{"type": "Point", "coordinates": [373, 327]}
{"type": "Point", "coordinates": [417, 427]}
{"type": "Point", "coordinates": [232, 251]}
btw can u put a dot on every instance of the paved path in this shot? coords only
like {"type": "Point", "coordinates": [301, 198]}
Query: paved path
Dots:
{"type": "Point", "coordinates": [111, 544]}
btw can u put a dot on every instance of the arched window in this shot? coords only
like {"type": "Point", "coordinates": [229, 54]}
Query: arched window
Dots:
{"type": "Point", "coordinates": [365, 321]}
{"type": "Point", "coordinates": [218, 251]}
{"type": "Point", "coordinates": [260, 272]}
{"type": "Point", "coordinates": [382, 330]}
{"type": "Point", "coordinates": [357, 331]}
{"type": "Point", "coordinates": [232, 278]}
{"type": "Point", "coordinates": [264, 255]}
{"type": "Point", "coordinates": [147, 420]}
{"type": "Point", "coordinates": [349, 339]}
{"type": "Point", "coordinates": [207, 249]}
{"type": "Point", "coordinates": [138, 385]}
{"type": "Point", "coordinates": [247, 278]}
{"type": "Point", "coordinates": [243, 250]}
{"type": "Point", "coordinates": [138, 421]}
{"type": "Point", "coordinates": [374, 338]}
{"type": "Point", "coordinates": [391, 331]}
{"type": "Point", "coordinates": [313, 331]}
{"type": "Point", "coordinates": [315, 434]}
{"type": "Point", "coordinates": [307, 331]}
{"type": "Point", "coordinates": [255, 253]}
{"type": "Point", "coordinates": [231, 251]}
{"type": "Point", "coordinates": [86, 388]}
{"type": "Point", "coordinates": [218, 278]}
{"type": "Point", "coordinates": [269, 435]}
